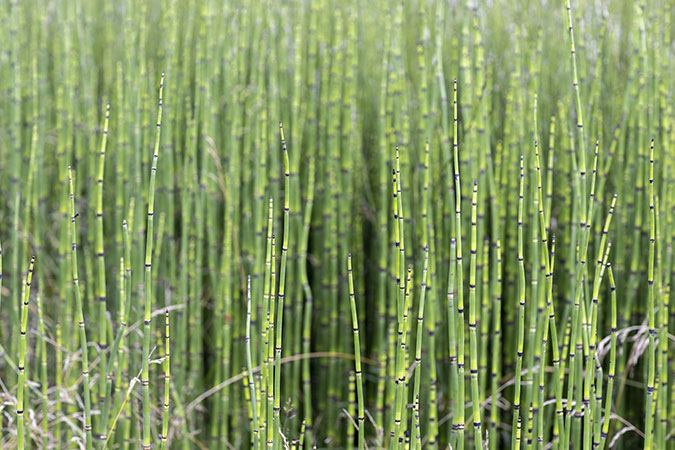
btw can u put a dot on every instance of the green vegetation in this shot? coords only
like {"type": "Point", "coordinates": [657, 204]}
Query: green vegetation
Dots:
{"type": "Point", "coordinates": [317, 189]}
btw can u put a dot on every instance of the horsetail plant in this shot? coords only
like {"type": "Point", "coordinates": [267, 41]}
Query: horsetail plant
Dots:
{"type": "Point", "coordinates": [459, 281]}
{"type": "Point", "coordinates": [403, 298]}
{"type": "Point", "coordinates": [496, 365]}
{"type": "Point", "coordinates": [473, 340]}
{"type": "Point", "coordinates": [101, 283]}
{"type": "Point", "coordinates": [418, 353]}
{"type": "Point", "coordinates": [452, 330]}
{"type": "Point", "coordinates": [255, 349]}
{"type": "Point", "coordinates": [80, 317]}
{"type": "Point", "coordinates": [282, 284]}
{"type": "Point", "coordinates": [307, 313]}
{"type": "Point", "coordinates": [267, 330]}
{"type": "Point", "coordinates": [516, 437]}
{"type": "Point", "coordinates": [167, 381]}
{"type": "Point", "coordinates": [249, 365]}
{"type": "Point", "coordinates": [270, 425]}
{"type": "Point", "coordinates": [147, 318]}
{"type": "Point", "coordinates": [20, 404]}
{"type": "Point", "coordinates": [357, 358]}
{"type": "Point", "coordinates": [651, 350]}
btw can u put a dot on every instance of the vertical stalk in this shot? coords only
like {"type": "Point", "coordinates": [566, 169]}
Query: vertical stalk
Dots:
{"type": "Point", "coordinates": [452, 341]}
{"type": "Point", "coordinates": [80, 317]}
{"type": "Point", "coordinates": [270, 347]}
{"type": "Point", "coordinates": [418, 353]}
{"type": "Point", "coordinates": [268, 318]}
{"type": "Point", "coordinates": [651, 350]}
{"type": "Point", "coordinates": [249, 366]}
{"type": "Point", "coordinates": [22, 358]}
{"type": "Point", "coordinates": [459, 282]}
{"type": "Point", "coordinates": [282, 285]}
{"type": "Point", "coordinates": [101, 287]}
{"type": "Point", "coordinates": [307, 314]}
{"type": "Point", "coordinates": [612, 360]}
{"type": "Point", "coordinates": [473, 340]}
{"type": "Point", "coordinates": [357, 357]}
{"type": "Point", "coordinates": [515, 437]}
{"type": "Point", "coordinates": [167, 381]}
{"type": "Point", "coordinates": [496, 351]}
{"type": "Point", "coordinates": [147, 318]}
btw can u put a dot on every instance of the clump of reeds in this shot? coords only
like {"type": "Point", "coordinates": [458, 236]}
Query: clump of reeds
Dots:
{"type": "Point", "coordinates": [290, 262]}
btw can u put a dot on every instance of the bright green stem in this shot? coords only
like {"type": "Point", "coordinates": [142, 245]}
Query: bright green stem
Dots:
{"type": "Point", "coordinates": [80, 317]}
{"type": "Point", "coordinates": [147, 318]}
{"type": "Point", "coordinates": [22, 358]}
{"type": "Point", "coordinates": [103, 399]}
{"type": "Point", "coordinates": [473, 340]}
{"type": "Point", "coordinates": [249, 367]}
{"type": "Point", "coordinates": [357, 358]}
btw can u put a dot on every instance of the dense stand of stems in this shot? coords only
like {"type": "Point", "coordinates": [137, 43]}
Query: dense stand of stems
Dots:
{"type": "Point", "coordinates": [255, 349]}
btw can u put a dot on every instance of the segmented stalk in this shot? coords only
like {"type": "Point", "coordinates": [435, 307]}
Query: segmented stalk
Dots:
{"type": "Point", "coordinates": [612, 360]}
{"type": "Point", "coordinates": [282, 284]}
{"type": "Point", "coordinates": [496, 352]}
{"type": "Point", "coordinates": [80, 316]}
{"type": "Point", "coordinates": [452, 341]}
{"type": "Point", "coordinates": [651, 350]}
{"type": "Point", "coordinates": [357, 358]}
{"type": "Point", "coordinates": [515, 437]}
{"type": "Point", "coordinates": [270, 348]}
{"type": "Point", "coordinates": [101, 286]}
{"type": "Point", "coordinates": [249, 366]}
{"type": "Point", "coordinates": [266, 411]}
{"type": "Point", "coordinates": [418, 353]}
{"type": "Point", "coordinates": [459, 282]}
{"type": "Point", "coordinates": [22, 357]}
{"type": "Point", "coordinates": [147, 318]}
{"type": "Point", "coordinates": [473, 339]}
